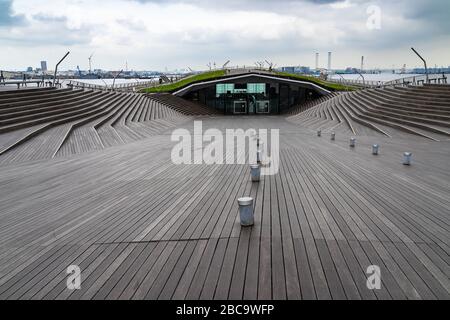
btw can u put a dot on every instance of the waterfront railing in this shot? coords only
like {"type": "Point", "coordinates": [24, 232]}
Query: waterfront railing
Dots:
{"type": "Point", "coordinates": [419, 80]}
{"type": "Point", "coordinates": [132, 86]}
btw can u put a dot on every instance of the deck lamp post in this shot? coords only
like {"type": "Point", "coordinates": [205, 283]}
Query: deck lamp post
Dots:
{"type": "Point", "coordinates": [343, 81]}
{"type": "Point", "coordinates": [57, 65]}
{"type": "Point", "coordinates": [424, 62]}
{"type": "Point", "coordinates": [106, 85]}
{"type": "Point", "coordinates": [114, 80]}
{"type": "Point", "coordinates": [361, 76]}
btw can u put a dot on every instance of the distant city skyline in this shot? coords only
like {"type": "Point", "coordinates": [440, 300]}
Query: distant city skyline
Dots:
{"type": "Point", "coordinates": [181, 34]}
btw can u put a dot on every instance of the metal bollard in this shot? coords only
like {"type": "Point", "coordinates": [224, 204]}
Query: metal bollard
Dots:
{"type": "Point", "coordinates": [246, 211]}
{"type": "Point", "coordinates": [407, 158]}
{"type": "Point", "coordinates": [333, 136]}
{"type": "Point", "coordinates": [352, 142]}
{"type": "Point", "coordinates": [375, 149]}
{"type": "Point", "coordinates": [319, 133]}
{"type": "Point", "coordinates": [255, 171]}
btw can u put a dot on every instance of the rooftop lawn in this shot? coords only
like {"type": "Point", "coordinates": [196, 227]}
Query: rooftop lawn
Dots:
{"type": "Point", "coordinates": [185, 82]}
{"type": "Point", "coordinates": [325, 84]}
{"type": "Point", "coordinates": [212, 75]}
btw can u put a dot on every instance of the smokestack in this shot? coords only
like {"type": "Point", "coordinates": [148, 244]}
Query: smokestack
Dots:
{"type": "Point", "coordinates": [329, 60]}
{"type": "Point", "coordinates": [362, 63]}
{"type": "Point", "coordinates": [317, 61]}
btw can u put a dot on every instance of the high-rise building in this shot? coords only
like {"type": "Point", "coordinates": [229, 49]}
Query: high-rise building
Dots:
{"type": "Point", "coordinates": [44, 66]}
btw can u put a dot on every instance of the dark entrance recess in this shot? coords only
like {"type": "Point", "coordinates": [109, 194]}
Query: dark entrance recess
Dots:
{"type": "Point", "coordinates": [252, 98]}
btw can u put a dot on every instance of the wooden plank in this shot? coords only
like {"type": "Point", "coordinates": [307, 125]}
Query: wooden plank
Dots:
{"type": "Point", "coordinates": [212, 277]}
{"type": "Point", "coordinates": [179, 255]}
{"type": "Point", "coordinates": [182, 287]}
{"type": "Point", "coordinates": [196, 287]}
{"type": "Point", "coordinates": [114, 279]}
{"type": "Point", "coordinates": [228, 271]}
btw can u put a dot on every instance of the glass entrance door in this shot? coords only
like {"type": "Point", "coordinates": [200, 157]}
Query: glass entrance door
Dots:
{"type": "Point", "coordinates": [263, 106]}
{"type": "Point", "coordinates": [240, 107]}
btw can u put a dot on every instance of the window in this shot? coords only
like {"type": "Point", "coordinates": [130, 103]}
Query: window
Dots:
{"type": "Point", "coordinates": [256, 88]}
{"type": "Point", "coordinates": [251, 88]}
{"type": "Point", "coordinates": [240, 88]}
{"type": "Point", "coordinates": [223, 88]}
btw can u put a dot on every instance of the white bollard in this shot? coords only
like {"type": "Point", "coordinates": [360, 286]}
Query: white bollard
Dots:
{"type": "Point", "coordinates": [375, 149]}
{"type": "Point", "coordinates": [246, 211]}
{"type": "Point", "coordinates": [407, 158]}
{"type": "Point", "coordinates": [352, 142]}
{"type": "Point", "coordinates": [255, 171]}
{"type": "Point", "coordinates": [319, 133]}
{"type": "Point", "coordinates": [333, 136]}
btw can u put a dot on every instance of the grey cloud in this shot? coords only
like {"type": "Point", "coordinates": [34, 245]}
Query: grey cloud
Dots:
{"type": "Point", "coordinates": [405, 23]}
{"type": "Point", "coordinates": [260, 5]}
{"type": "Point", "coordinates": [7, 18]}
{"type": "Point", "coordinates": [435, 14]}
{"type": "Point", "coordinates": [52, 30]}
{"type": "Point", "coordinates": [48, 38]}
{"type": "Point", "coordinates": [49, 19]}
{"type": "Point", "coordinates": [421, 22]}
{"type": "Point", "coordinates": [132, 25]}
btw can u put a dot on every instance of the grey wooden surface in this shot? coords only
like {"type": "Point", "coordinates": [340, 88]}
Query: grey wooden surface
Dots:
{"type": "Point", "coordinates": [141, 227]}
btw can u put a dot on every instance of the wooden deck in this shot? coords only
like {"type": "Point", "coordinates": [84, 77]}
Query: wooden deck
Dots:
{"type": "Point", "coordinates": [140, 227]}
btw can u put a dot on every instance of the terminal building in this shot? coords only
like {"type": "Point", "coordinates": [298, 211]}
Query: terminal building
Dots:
{"type": "Point", "coordinates": [252, 94]}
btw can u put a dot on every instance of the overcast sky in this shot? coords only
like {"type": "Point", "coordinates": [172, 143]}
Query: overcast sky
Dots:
{"type": "Point", "coordinates": [155, 34]}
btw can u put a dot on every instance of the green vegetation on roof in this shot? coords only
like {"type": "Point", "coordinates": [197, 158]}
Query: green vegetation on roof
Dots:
{"type": "Point", "coordinates": [325, 84]}
{"type": "Point", "coordinates": [185, 82]}
{"type": "Point", "coordinates": [213, 75]}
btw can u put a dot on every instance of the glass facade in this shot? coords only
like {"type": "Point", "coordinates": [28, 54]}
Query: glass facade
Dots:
{"type": "Point", "coordinates": [249, 88]}
{"type": "Point", "coordinates": [251, 98]}
{"type": "Point", "coordinates": [243, 98]}
{"type": "Point", "coordinates": [256, 88]}
{"type": "Point", "coordinates": [224, 88]}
